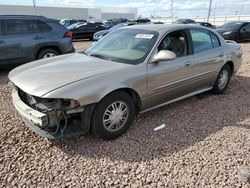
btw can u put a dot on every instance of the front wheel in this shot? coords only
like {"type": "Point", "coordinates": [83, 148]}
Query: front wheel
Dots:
{"type": "Point", "coordinates": [222, 80]}
{"type": "Point", "coordinates": [47, 53]}
{"type": "Point", "coordinates": [113, 116]}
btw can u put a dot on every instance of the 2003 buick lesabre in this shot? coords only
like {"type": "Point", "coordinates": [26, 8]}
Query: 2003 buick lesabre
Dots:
{"type": "Point", "coordinates": [129, 71]}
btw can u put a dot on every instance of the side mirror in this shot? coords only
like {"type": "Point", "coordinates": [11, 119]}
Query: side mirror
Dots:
{"type": "Point", "coordinates": [243, 29]}
{"type": "Point", "coordinates": [164, 55]}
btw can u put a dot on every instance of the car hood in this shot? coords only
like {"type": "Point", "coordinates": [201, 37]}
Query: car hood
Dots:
{"type": "Point", "coordinates": [221, 31]}
{"type": "Point", "coordinates": [43, 76]}
{"type": "Point", "coordinates": [103, 32]}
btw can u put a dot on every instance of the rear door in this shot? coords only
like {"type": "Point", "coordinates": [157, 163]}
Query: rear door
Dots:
{"type": "Point", "coordinates": [207, 57]}
{"type": "Point", "coordinates": [21, 37]}
{"type": "Point", "coordinates": [245, 32]}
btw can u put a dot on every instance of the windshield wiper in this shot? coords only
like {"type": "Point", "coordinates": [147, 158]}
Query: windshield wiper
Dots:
{"type": "Point", "coordinates": [100, 56]}
{"type": "Point", "coordinates": [83, 52]}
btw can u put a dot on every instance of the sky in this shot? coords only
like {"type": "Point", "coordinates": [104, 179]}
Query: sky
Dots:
{"type": "Point", "coordinates": [146, 8]}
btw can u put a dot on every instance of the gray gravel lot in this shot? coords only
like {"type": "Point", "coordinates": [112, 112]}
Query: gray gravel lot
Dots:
{"type": "Point", "coordinates": [206, 143]}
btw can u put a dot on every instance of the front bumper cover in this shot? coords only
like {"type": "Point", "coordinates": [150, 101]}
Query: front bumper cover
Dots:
{"type": "Point", "coordinates": [35, 120]}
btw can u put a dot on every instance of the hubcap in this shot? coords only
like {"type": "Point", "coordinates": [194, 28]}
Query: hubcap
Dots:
{"type": "Point", "coordinates": [223, 79]}
{"type": "Point", "coordinates": [48, 55]}
{"type": "Point", "coordinates": [115, 116]}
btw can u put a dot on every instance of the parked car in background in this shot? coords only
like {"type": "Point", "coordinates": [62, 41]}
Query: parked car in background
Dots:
{"type": "Point", "coordinates": [75, 25]}
{"type": "Point", "coordinates": [131, 70]}
{"type": "Point", "coordinates": [206, 24]}
{"type": "Point", "coordinates": [237, 31]}
{"type": "Point", "coordinates": [158, 23]}
{"type": "Point", "coordinates": [142, 20]}
{"type": "Point", "coordinates": [26, 38]}
{"type": "Point", "coordinates": [68, 22]}
{"type": "Point", "coordinates": [112, 22]}
{"type": "Point", "coordinates": [86, 30]}
{"type": "Point", "coordinates": [98, 35]}
{"type": "Point", "coordinates": [72, 26]}
{"type": "Point", "coordinates": [184, 21]}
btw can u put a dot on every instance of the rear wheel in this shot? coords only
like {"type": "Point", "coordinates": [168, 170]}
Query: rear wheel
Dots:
{"type": "Point", "coordinates": [113, 116]}
{"type": "Point", "coordinates": [222, 80]}
{"type": "Point", "coordinates": [47, 53]}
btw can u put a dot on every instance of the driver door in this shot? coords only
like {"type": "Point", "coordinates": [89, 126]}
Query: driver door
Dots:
{"type": "Point", "coordinates": [168, 80]}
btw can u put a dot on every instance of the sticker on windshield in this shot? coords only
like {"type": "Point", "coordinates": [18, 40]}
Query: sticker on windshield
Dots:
{"type": "Point", "coordinates": [144, 36]}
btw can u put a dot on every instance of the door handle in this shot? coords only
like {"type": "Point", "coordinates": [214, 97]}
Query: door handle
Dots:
{"type": "Point", "coordinates": [188, 64]}
{"type": "Point", "coordinates": [37, 38]}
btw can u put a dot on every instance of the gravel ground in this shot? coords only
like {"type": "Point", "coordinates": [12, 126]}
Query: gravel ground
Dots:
{"type": "Point", "coordinates": [206, 143]}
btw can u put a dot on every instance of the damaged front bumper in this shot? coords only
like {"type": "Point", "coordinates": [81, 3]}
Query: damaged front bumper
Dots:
{"type": "Point", "coordinates": [39, 121]}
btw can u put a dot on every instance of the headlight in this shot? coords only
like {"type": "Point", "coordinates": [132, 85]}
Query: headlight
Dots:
{"type": "Point", "coordinates": [52, 104]}
{"type": "Point", "coordinates": [97, 37]}
{"type": "Point", "coordinates": [227, 33]}
{"type": "Point", "coordinates": [69, 104]}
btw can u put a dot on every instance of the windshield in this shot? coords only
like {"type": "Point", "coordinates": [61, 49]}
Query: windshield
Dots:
{"type": "Point", "coordinates": [232, 25]}
{"type": "Point", "coordinates": [126, 46]}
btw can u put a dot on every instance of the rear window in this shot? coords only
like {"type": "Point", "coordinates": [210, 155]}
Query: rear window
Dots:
{"type": "Point", "coordinates": [20, 26]}
{"type": "Point", "coordinates": [215, 40]}
{"type": "Point", "coordinates": [201, 40]}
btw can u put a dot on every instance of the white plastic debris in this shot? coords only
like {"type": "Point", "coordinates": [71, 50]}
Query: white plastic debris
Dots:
{"type": "Point", "coordinates": [159, 127]}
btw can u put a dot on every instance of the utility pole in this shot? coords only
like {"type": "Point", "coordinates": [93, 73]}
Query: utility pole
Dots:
{"type": "Point", "coordinates": [172, 9]}
{"type": "Point", "coordinates": [209, 10]}
{"type": "Point", "coordinates": [34, 3]}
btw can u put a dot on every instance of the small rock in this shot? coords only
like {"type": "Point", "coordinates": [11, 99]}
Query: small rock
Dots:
{"type": "Point", "coordinates": [244, 174]}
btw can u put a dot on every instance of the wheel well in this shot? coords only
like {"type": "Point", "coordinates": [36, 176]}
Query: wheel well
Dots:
{"type": "Point", "coordinates": [48, 47]}
{"type": "Point", "coordinates": [134, 95]}
{"type": "Point", "coordinates": [231, 64]}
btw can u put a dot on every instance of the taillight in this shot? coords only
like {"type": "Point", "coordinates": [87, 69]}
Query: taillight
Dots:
{"type": "Point", "coordinates": [68, 34]}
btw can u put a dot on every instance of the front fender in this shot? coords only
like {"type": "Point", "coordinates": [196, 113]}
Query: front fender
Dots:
{"type": "Point", "coordinates": [94, 89]}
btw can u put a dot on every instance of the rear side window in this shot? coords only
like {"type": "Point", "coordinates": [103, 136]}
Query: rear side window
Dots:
{"type": "Point", "coordinates": [20, 26]}
{"type": "Point", "coordinates": [44, 27]}
{"type": "Point", "coordinates": [201, 40]}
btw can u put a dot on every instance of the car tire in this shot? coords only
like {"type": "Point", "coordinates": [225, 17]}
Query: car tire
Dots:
{"type": "Point", "coordinates": [47, 53]}
{"type": "Point", "coordinates": [222, 80]}
{"type": "Point", "coordinates": [113, 116]}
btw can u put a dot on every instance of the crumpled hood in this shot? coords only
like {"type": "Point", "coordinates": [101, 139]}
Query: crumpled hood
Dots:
{"type": "Point", "coordinates": [40, 77]}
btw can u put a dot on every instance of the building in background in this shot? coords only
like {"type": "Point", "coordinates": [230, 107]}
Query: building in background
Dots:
{"type": "Point", "coordinates": [101, 14]}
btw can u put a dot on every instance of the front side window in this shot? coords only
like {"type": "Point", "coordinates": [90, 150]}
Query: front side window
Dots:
{"type": "Point", "coordinates": [19, 26]}
{"type": "Point", "coordinates": [126, 46]}
{"type": "Point", "coordinates": [247, 27]}
{"type": "Point", "coordinates": [201, 40]}
{"type": "Point", "coordinates": [175, 42]}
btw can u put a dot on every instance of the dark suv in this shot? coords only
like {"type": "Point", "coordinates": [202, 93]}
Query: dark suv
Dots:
{"type": "Point", "coordinates": [27, 38]}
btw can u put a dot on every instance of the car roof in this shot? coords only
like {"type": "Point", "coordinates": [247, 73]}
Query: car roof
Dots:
{"type": "Point", "coordinates": [164, 27]}
{"type": "Point", "coordinates": [25, 17]}
{"type": "Point", "coordinates": [240, 21]}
